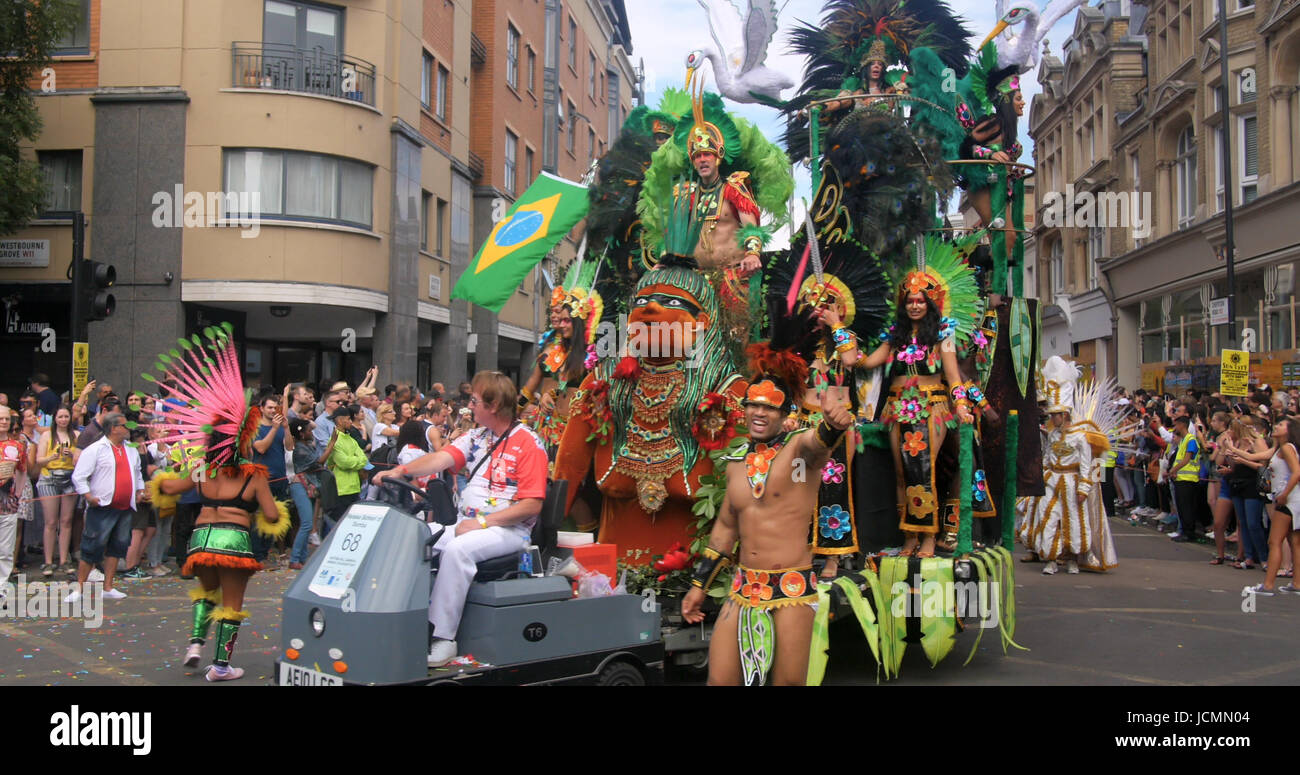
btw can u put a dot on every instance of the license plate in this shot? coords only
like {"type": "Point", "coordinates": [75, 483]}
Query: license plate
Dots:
{"type": "Point", "coordinates": [292, 675]}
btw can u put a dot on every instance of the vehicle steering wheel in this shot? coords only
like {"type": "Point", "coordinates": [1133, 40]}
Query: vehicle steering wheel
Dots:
{"type": "Point", "coordinates": [405, 484]}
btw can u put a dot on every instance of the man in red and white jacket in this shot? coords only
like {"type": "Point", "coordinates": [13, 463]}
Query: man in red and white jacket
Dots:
{"type": "Point", "coordinates": [109, 477]}
{"type": "Point", "coordinates": [498, 506]}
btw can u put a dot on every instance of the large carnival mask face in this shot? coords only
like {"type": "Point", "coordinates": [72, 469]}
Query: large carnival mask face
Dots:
{"type": "Point", "coordinates": [665, 322]}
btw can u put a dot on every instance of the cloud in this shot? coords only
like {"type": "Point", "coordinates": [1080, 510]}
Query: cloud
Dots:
{"type": "Point", "coordinates": [665, 31]}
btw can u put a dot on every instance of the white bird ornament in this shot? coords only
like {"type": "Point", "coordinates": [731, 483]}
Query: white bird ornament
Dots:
{"type": "Point", "coordinates": [741, 40]}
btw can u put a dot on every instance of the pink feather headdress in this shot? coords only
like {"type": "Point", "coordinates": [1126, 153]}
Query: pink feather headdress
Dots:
{"type": "Point", "coordinates": [205, 377]}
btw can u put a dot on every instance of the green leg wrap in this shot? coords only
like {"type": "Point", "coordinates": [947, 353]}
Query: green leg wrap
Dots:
{"type": "Point", "coordinates": [202, 620]}
{"type": "Point", "coordinates": [227, 633]}
{"type": "Point", "coordinates": [757, 644]}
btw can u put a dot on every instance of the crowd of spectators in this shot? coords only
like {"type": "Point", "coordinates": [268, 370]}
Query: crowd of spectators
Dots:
{"type": "Point", "coordinates": [1217, 470]}
{"type": "Point", "coordinates": [321, 444]}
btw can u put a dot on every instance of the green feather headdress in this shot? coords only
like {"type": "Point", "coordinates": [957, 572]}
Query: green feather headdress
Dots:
{"type": "Point", "coordinates": [945, 276]}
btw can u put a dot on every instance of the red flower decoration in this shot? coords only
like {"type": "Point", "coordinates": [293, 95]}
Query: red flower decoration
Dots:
{"type": "Point", "coordinates": [676, 559]}
{"type": "Point", "coordinates": [628, 368]}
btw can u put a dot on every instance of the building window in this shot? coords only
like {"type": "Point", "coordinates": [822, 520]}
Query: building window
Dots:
{"type": "Point", "coordinates": [62, 170]}
{"type": "Point", "coordinates": [443, 92]}
{"type": "Point", "coordinates": [1057, 268]}
{"type": "Point", "coordinates": [591, 144]}
{"type": "Point", "coordinates": [1218, 169]}
{"type": "Point", "coordinates": [1246, 87]}
{"type": "Point", "coordinates": [528, 165]}
{"type": "Point", "coordinates": [302, 186]}
{"type": "Point", "coordinates": [591, 75]}
{"type": "Point", "coordinates": [1185, 167]}
{"type": "Point", "coordinates": [1248, 159]}
{"type": "Point", "coordinates": [573, 123]}
{"type": "Point", "coordinates": [425, 200]}
{"type": "Point", "coordinates": [512, 150]}
{"type": "Point", "coordinates": [532, 69]}
{"type": "Point", "coordinates": [1096, 253]}
{"type": "Point", "coordinates": [441, 234]}
{"type": "Point", "coordinates": [573, 44]}
{"type": "Point", "coordinates": [77, 41]}
{"type": "Point", "coordinates": [426, 80]}
{"type": "Point", "coordinates": [303, 27]}
{"type": "Point", "coordinates": [512, 56]}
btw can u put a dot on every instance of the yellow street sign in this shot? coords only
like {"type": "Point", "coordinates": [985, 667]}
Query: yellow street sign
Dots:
{"type": "Point", "coordinates": [1234, 373]}
{"type": "Point", "coordinates": [80, 367]}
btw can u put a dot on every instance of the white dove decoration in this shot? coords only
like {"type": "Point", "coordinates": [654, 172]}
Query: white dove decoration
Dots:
{"type": "Point", "coordinates": [1024, 49]}
{"type": "Point", "coordinates": [741, 39]}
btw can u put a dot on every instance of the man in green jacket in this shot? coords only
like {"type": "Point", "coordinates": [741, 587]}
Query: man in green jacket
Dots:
{"type": "Point", "coordinates": [344, 457]}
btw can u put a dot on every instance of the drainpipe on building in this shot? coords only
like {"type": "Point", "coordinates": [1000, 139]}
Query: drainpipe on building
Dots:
{"type": "Point", "coordinates": [1229, 246]}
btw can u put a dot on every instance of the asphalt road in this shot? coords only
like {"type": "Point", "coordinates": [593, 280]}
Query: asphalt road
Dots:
{"type": "Point", "coordinates": [1165, 616]}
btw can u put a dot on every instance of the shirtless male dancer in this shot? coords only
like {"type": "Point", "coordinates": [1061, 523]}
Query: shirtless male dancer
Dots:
{"type": "Point", "coordinates": [772, 485]}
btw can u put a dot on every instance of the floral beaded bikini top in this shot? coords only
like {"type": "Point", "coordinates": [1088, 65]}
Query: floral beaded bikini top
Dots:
{"type": "Point", "coordinates": [920, 360]}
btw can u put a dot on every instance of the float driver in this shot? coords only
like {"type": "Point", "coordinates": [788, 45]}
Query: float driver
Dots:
{"type": "Point", "coordinates": [498, 506]}
{"type": "Point", "coordinates": [772, 487]}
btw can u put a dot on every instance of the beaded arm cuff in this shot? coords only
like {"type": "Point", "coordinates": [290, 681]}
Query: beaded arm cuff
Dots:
{"type": "Point", "coordinates": [711, 563]}
{"type": "Point", "coordinates": [843, 339]}
{"type": "Point", "coordinates": [753, 246]}
{"type": "Point", "coordinates": [976, 395]}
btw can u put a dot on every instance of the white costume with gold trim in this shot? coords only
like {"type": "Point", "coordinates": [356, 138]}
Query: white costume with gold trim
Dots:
{"type": "Point", "coordinates": [1061, 525]}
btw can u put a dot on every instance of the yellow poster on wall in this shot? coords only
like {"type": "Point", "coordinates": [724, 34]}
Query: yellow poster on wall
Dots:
{"type": "Point", "coordinates": [1234, 373]}
{"type": "Point", "coordinates": [80, 366]}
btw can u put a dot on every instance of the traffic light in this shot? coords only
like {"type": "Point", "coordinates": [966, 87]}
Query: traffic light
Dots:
{"type": "Point", "coordinates": [96, 278]}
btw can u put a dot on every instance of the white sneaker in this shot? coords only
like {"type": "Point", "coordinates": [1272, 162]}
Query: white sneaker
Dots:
{"type": "Point", "coordinates": [1050, 568]}
{"type": "Point", "coordinates": [95, 575]}
{"type": "Point", "coordinates": [442, 652]}
{"type": "Point", "coordinates": [313, 539]}
{"type": "Point", "coordinates": [73, 596]}
{"type": "Point", "coordinates": [114, 594]}
{"type": "Point", "coordinates": [1072, 567]}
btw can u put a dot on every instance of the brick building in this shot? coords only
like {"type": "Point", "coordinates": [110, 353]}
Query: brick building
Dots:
{"type": "Point", "coordinates": [352, 121]}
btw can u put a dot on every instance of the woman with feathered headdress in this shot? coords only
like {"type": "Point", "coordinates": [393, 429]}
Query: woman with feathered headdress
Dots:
{"type": "Point", "coordinates": [214, 410]}
{"type": "Point", "coordinates": [935, 314]}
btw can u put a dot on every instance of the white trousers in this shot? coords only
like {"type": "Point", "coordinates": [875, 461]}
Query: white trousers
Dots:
{"type": "Point", "coordinates": [8, 535]}
{"type": "Point", "coordinates": [460, 557]}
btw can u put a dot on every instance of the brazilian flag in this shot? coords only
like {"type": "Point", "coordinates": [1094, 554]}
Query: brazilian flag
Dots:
{"type": "Point", "coordinates": [546, 212]}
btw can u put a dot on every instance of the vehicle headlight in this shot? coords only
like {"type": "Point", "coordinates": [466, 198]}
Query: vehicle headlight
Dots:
{"type": "Point", "coordinates": [317, 622]}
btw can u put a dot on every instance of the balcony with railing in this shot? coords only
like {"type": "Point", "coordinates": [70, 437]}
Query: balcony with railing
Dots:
{"type": "Point", "coordinates": [285, 68]}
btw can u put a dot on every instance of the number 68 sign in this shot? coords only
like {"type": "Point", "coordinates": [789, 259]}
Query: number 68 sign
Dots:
{"type": "Point", "coordinates": [348, 546]}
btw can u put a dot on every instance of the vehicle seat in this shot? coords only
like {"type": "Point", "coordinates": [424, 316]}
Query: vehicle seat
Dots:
{"type": "Point", "coordinates": [544, 535]}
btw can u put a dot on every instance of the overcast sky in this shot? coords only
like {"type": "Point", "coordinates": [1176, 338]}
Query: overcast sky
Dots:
{"type": "Point", "coordinates": [665, 31]}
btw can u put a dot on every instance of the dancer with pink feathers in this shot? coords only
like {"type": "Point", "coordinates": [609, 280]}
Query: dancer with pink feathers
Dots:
{"type": "Point", "coordinates": [213, 411]}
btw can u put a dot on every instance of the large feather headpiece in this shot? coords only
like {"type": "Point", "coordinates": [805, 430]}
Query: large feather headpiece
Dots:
{"type": "Point", "coordinates": [213, 408]}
